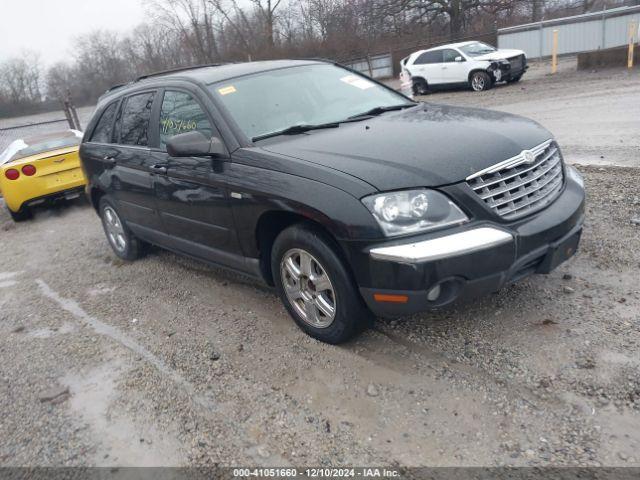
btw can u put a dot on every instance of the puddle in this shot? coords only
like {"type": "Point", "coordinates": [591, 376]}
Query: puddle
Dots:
{"type": "Point", "coordinates": [121, 440]}
{"type": "Point", "coordinates": [8, 275]}
{"type": "Point", "coordinates": [100, 290]}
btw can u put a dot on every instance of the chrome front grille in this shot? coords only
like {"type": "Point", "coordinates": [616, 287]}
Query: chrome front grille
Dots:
{"type": "Point", "coordinates": [522, 184]}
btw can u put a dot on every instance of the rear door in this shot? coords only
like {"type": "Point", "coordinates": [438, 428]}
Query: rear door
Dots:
{"type": "Point", "coordinates": [429, 66]}
{"type": "Point", "coordinates": [131, 179]}
{"type": "Point", "coordinates": [192, 191]}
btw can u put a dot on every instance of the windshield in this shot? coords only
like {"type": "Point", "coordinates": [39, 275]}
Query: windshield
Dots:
{"type": "Point", "coordinates": [275, 100]}
{"type": "Point", "coordinates": [33, 146]}
{"type": "Point", "coordinates": [477, 48]}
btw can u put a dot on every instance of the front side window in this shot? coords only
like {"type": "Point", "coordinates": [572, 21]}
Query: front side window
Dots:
{"type": "Point", "coordinates": [476, 49]}
{"type": "Point", "coordinates": [134, 121]}
{"type": "Point", "coordinates": [181, 113]}
{"type": "Point", "coordinates": [274, 100]}
{"type": "Point", "coordinates": [429, 57]}
{"type": "Point", "coordinates": [449, 55]}
{"type": "Point", "coordinates": [102, 132]}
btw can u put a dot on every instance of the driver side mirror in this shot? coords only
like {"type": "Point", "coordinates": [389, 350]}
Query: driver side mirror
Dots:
{"type": "Point", "coordinates": [459, 59]}
{"type": "Point", "coordinates": [195, 144]}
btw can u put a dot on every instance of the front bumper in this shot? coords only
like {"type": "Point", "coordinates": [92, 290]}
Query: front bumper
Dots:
{"type": "Point", "coordinates": [433, 270]}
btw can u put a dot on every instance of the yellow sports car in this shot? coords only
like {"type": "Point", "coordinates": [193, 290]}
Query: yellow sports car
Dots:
{"type": "Point", "coordinates": [39, 169]}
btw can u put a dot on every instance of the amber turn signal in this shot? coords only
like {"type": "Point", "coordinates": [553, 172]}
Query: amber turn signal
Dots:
{"type": "Point", "coordinates": [384, 297]}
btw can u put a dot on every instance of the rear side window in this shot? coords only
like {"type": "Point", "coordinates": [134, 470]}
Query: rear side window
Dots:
{"type": "Point", "coordinates": [134, 122]}
{"type": "Point", "coordinates": [102, 132]}
{"type": "Point", "coordinates": [181, 113]}
{"type": "Point", "coordinates": [429, 57]}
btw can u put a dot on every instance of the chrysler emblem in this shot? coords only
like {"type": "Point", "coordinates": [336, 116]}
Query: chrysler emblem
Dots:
{"type": "Point", "coordinates": [528, 156]}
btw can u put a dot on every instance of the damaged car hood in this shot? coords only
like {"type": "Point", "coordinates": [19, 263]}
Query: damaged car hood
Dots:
{"type": "Point", "coordinates": [425, 146]}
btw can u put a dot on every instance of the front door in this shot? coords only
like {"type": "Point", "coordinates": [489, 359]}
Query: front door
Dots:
{"type": "Point", "coordinates": [452, 71]}
{"type": "Point", "coordinates": [191, 192]}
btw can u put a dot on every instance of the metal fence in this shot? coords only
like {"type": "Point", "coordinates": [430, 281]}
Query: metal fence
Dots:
{"type": "Point", "coordinates": [9, 134]}
{"type": "Point", "coordinates": [376, 66]}
{"type": "Point", "coordinates": [580, 33]}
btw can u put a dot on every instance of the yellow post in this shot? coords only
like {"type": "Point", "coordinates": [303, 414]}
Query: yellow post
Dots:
{"type": "Point", "coordinates": [632, 33]}
{"type": "Point", "coordinates": [554, 53]}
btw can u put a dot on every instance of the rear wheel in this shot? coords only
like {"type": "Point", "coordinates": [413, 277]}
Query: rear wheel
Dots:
{"type": "Point", "coordinates": [21, 215]}
{"type": "Point", "coordinates": [315, 286]}
{"type": "Point", "coordinates": [123, 243]}
{"type": "Point", "coordinates": [480, 81]}
{"type": "Point", "coordinates": [420, 86]}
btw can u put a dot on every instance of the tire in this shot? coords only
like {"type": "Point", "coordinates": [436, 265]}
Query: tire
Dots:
{"type": "Point", "coordinates": [514, 79]}
{"type": "Point", "coordinates": [480, 81]}
{"type": "Point", "coordinates": [420, 86]}
{"type": "Point", "coordinates": [313, 281]}
{"type": "Point", "coordinates": [21, 215]}
{"type": "Point", "coordinates": [122, 241]}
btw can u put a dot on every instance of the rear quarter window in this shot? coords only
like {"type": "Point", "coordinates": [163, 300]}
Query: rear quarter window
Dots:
{"type": "Point", "coordinates": [429, 57]}
{"type": "Point", "coordinates": [103, 130]}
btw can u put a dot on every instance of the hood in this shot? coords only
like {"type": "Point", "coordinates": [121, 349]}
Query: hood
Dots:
{"type": "Point", "coordinates": [499, 54]}
{"type": "Point", "coordinates": [426, 146]}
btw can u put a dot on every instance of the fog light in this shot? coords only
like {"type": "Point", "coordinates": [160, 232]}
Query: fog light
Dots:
{"type": "Point", "coordinates": [433, 294]}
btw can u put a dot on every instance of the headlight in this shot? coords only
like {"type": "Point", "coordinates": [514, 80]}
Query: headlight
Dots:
{"type": "Point", "coordinates": [413, 211]}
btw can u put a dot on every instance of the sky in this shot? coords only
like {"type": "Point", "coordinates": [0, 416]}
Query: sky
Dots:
{"type": "Point", "coordinates": [49, 26]}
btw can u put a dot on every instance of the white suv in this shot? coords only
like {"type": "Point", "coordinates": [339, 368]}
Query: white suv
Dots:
{"type": "Point", "coordinates": [471, 63]}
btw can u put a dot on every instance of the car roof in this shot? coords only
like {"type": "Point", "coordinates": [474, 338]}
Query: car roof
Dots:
{"type": "Point", "coordinates": [208, 74]}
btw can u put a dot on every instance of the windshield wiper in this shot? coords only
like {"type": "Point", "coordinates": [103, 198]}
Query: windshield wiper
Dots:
{"type": "Point", "coordinates": [379, 110]}
{"type": "Point", "coordinates": [295, 129]}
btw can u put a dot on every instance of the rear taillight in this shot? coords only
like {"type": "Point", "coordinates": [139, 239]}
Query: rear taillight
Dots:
{"type": "Point", "coordinates": [29, 170]}
{"type": "Point", "coordinates": [12, 174]}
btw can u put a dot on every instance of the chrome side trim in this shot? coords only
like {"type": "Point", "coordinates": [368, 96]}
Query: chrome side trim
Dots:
{"type": "Point", "coordinates": [443, 247]}
{"type": "Point", "coordinates": [513, 161]}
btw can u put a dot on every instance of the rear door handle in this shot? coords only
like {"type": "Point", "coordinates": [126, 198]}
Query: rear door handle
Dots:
{"type": "Point", "coordinates": [158, 168]}
{"type": "Point", "coordinates": [109, 160]}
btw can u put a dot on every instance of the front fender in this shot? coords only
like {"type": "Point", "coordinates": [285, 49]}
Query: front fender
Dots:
{"type": "Point", "coordinates": [256, 191]}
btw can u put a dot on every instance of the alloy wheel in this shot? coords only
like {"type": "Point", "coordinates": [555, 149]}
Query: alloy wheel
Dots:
{"type": "Point", "coordinates": [114, 229]}
{"type": "Point", "coordinates": [308, 288]}
{"type": "Point", "coordinates": [477, 83]}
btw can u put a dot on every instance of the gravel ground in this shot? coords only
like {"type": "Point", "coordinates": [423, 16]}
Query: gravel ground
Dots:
{"type": "Point", "coordinates": [168, 362]}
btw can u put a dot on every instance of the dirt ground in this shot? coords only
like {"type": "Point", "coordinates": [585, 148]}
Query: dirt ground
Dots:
{"type": "Point", "coordinates": [166, 361]}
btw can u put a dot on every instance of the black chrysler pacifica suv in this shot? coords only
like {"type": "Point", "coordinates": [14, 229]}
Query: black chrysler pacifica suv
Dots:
{"type": "Point", "coordinates": [349, 198]}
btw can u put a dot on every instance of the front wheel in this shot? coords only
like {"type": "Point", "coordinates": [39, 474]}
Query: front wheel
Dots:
{"type": "Point", "coordinates": [315, 286]}
{"type": "Point", "coordinates": [480, 81]}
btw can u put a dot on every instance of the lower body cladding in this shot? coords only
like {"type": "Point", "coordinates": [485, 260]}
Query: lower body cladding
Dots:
{"type": "Point", "coordinates": [435, 270]}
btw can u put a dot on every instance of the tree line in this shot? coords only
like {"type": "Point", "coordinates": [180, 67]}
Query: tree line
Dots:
{"type": "Point", "coordinates": [190, 32]}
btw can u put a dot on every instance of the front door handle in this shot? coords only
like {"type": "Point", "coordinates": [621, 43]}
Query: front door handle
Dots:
{"type": "Point", "coordinates": [109, 160]}
{"type": "Point", "coordinates": [158, 168]}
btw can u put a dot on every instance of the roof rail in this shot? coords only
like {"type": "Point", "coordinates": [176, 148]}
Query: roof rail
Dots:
{"type": "Point", "coordinates": [174, 70]}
